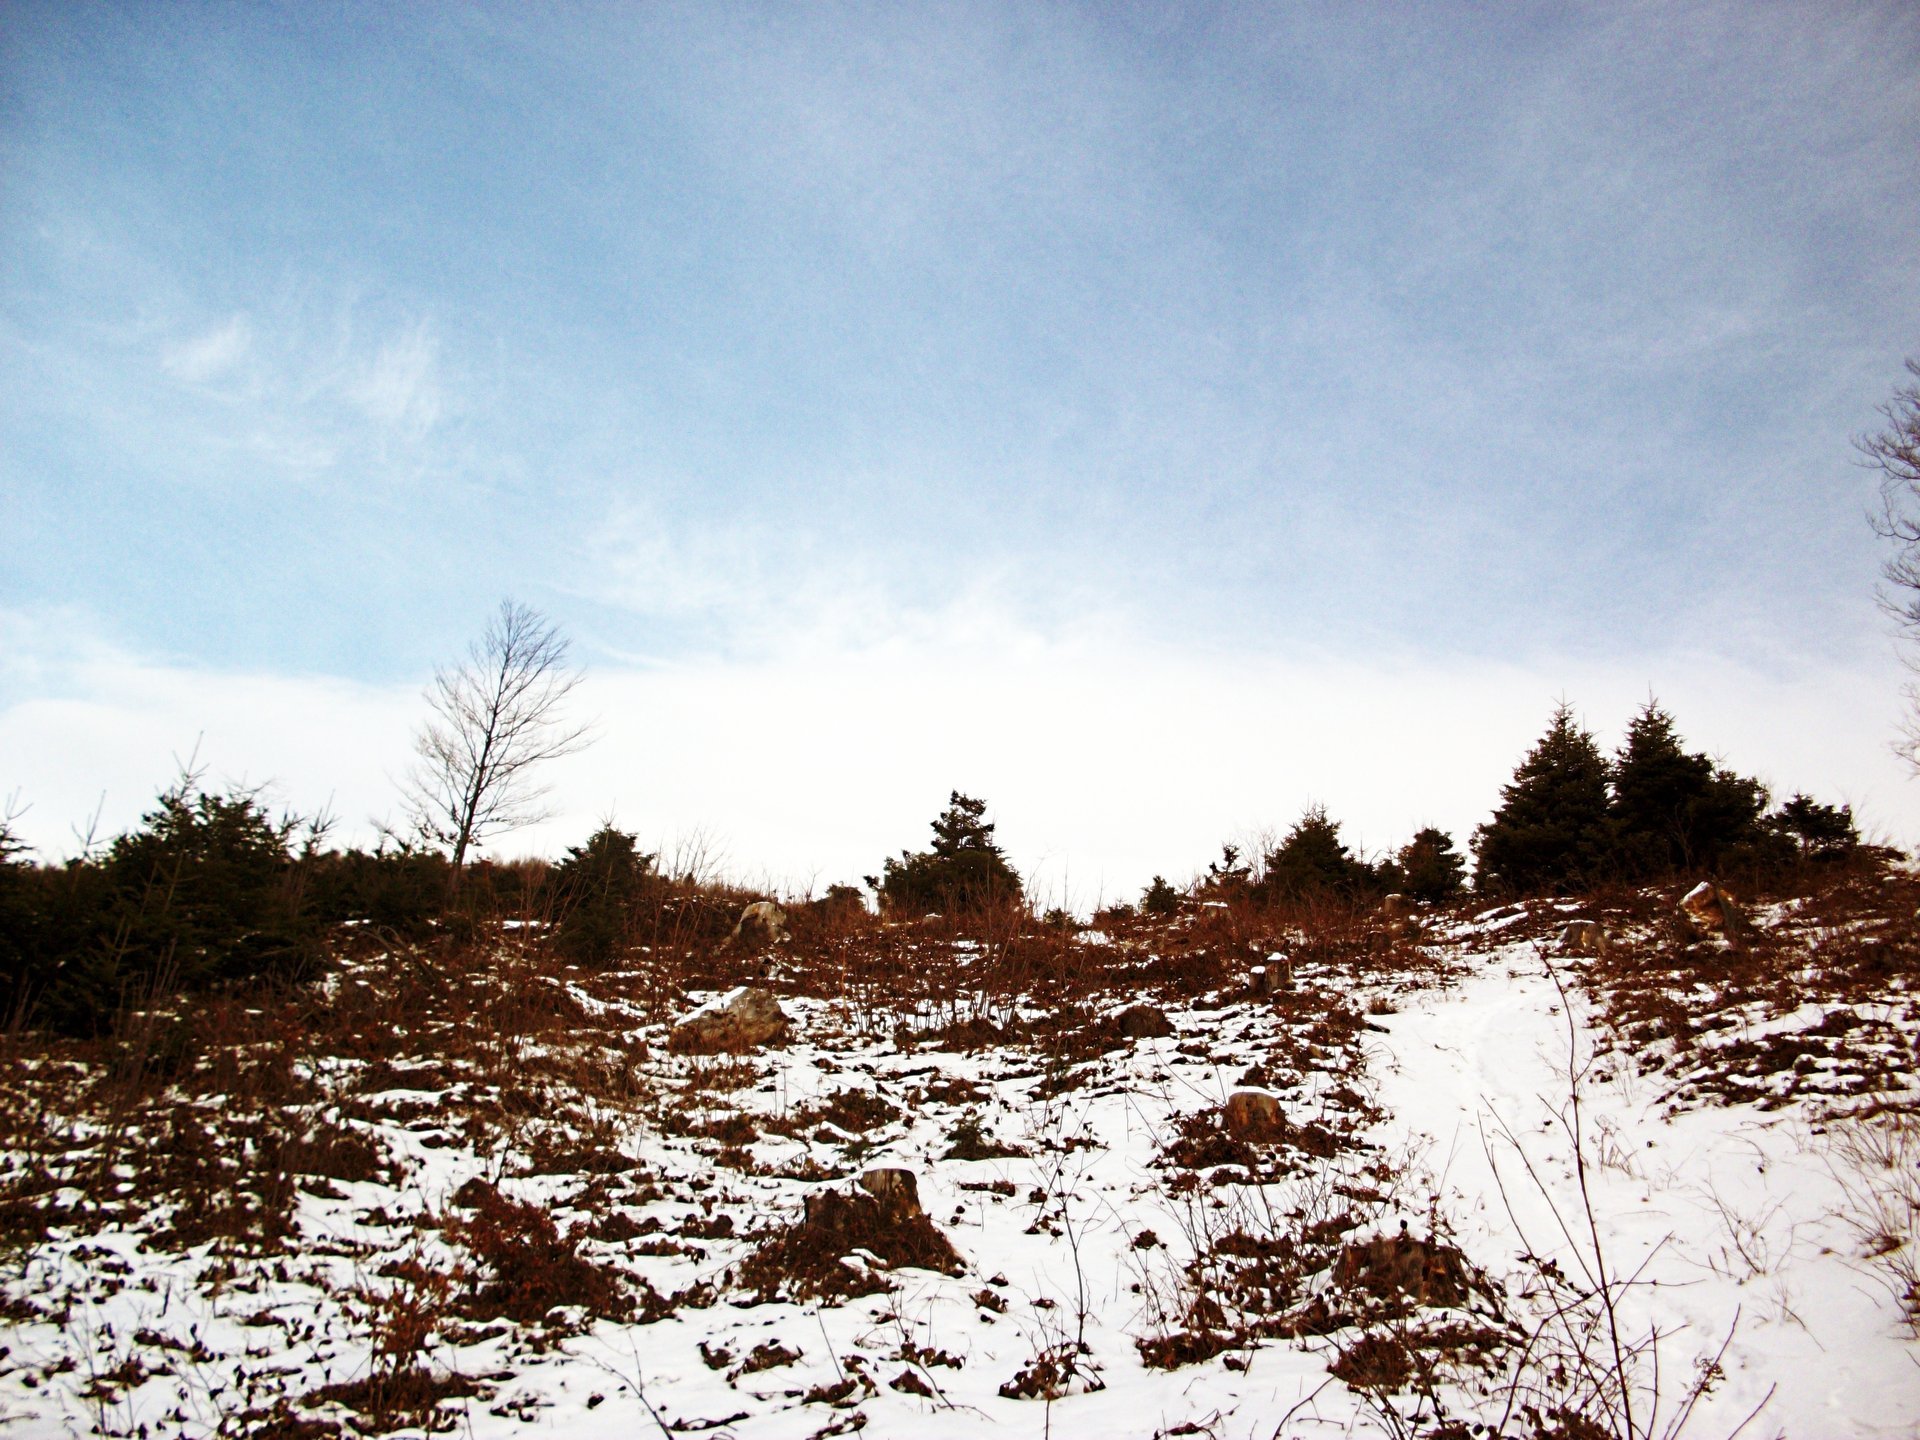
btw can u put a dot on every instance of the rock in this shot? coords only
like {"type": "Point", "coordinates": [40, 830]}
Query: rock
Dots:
{"type": "Point", "coordinates": [1395, 907]}
{"type": "Point", "coordinates": [1585, 937]}
{"type": "Point", "coordinates": [896, 1190]}
{"type": "Point", "coordinates": [739, 1020]}
{"type": "Point", "coordinates": [1143, 1022]}
{"type": "Point", "coordinates": [1270, 979]}
{"type": "Point", "coordinates": [761, 923]}
{"type": "Point", "coordinates": [1711, 908]}
{"type": "Point", "coordinates": [1253, 1115]}
{"type": "Point", "coordinates": [1404, 928]}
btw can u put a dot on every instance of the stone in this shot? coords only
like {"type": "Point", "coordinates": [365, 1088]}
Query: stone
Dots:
{"type": "Point", "coordinates": [1585, 937]}
{"type": "Point", "coordinates": [1253, 1115]}
{"type": "Point", "coordinates": [1395, 907]}
{"type": "Point", "coordinates": [740, 1020]}
{"type": "Point", "coordinates": [1143, 1022]}
{"type": "Point", "coordinates": [1711, 908]}
{"type": "Point", "coordinates": [761, 923]}
{"type": "Point", "coordinates": [896, 1190]}
{"type": "Point", "coordinates": [1272, 978]}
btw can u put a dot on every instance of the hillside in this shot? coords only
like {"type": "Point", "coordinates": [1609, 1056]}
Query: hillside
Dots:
{"type": "Point", "coordinates": [1495, 1185]}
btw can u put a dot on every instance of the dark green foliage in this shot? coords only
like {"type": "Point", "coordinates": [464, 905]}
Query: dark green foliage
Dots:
{"type": "Point", "coordinates": [1229, 875]}
{"type": "Point", "coordinates": [19, 918]}
{"type": "Point", "coordinates": [1551, 831]}
{"type": "Point", "coordinates": [964, 872]}
{"type": "Point", "coordinates": [1313, 863]}
{"type": "Point", "coordinates": [1160, 898]}
{"type": "Point", "coordinates": [400, 890]}
{"type": "Point", "coordinates": [1430, 869]}
{"type": "Point", "coordinates": [1675, 811]}
{"type": "Point", "coordinates": [842, 902]}
{"type": "Point", "coordinates": [600, 885]}
{"type": "Point", "coordinates": [1817, 832]}
{"type": "Point", "coordinates": [206, 892]}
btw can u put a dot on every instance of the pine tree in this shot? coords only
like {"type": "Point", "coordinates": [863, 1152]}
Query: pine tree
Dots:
{"type": "Point", "coordinates": [1313, 863]}
{"type": "Point", "coordinates": [599, 884]}
{"type": "Point", "coordinates": [1673, 810]}
{"type": "Point", "coordinates": [966, 871]}
{"type": "Point", "coordinates": [1430, 868]}
{"type": "Point", "coordinates": [1551, 830]}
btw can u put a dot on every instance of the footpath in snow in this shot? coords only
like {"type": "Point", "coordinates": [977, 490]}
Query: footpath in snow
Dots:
{"type": "Point", "coordinates": [1728, 1226]}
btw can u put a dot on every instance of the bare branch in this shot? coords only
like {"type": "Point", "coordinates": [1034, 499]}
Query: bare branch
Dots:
{"type": "Point", "coordinates": [1895, 453]}
{"type": "Point", "coordinates": [496, 717]}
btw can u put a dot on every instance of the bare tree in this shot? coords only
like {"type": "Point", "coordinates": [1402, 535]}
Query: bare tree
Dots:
{"type": "Point", "coordinates": [1895, 453]}
{"type": "Point", "coordinates": [497, 716]}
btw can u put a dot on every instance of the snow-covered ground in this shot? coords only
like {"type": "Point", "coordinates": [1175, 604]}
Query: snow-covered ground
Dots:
{"type": "Point", "coordinates": [1118, 1211]}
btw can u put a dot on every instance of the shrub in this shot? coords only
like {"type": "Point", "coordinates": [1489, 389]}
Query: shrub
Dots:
{"type": "Point", "coordinates": [600, 885]}
{"type": "Point", "coordinates": [399, 888]}
{"type": "Point", "coordinates": [206, 892]}
{"type": "Point", "coordinates": [1160, 898]}
{"type": "Point", "coordinates": [965, 871]}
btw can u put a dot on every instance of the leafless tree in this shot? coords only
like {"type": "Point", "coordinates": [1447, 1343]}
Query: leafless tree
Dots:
{"type": "Point", "coordinates": [1895, 453]}
{"type": "Point", "coordinates": [497, 715]}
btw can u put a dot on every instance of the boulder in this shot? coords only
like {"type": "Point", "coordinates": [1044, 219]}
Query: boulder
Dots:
{"type": "Point", "coordinates": [1270, 979]}
{"type": "Point", "coordinates": [1711, 908]}
{"type": "Point", "coordinates": [1253, 1115]}
{"type": "Point", "coordinates": [896, 1190]}
{"type": "Point", "coordinates": [1585, 937]}
{"type": "Point", "coordinates": [1395, 907]}
{"type": "Point", "coordinates": [1143, 1022]}
{"type": "Point", "coordinates": [740, 1020]}
{"type": "Point", "coordinates": [761, 923]}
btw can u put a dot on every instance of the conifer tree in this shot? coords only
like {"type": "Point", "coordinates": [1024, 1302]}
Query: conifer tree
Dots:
{"type": "Point", "coordinates": [1673, 810]}
{"type": "Point", "coordinates": [599, 884]}
{"type": "Point", "coordinates": [1314, 863]}
{"type": "Point", "coordinates": [1430, 868]}
{"type": "Point", "coordinates": [1551, 830]}
{"type": "Point", "coordinates": [965, 871]}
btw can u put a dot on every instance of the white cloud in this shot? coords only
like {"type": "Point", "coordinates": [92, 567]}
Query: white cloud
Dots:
{"type": "Point", "coordinates": [400, 386]}
{"type": "Point", "coordinates": [1104, 761]}
{"type": "Point", "coordinates": [211, 355]}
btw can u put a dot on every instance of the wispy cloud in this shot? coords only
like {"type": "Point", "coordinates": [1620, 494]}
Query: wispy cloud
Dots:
{"type": "Point", "coordinates": [400, 386]}
{"type": "Point", "coordinates": [211, 355]}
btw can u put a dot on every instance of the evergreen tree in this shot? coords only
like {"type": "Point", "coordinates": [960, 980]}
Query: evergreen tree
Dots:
{"type": "Point", "coordinates": [1313, 863]}
{"type": "Point", "coordinates": [600, 884]}
{"type": "Point", "coordinates": [965, 871]}
{"type": "Point", "coordinates": [1673, 810]}
{"type": "Point", "coordinates": [206, 892]}
{"type": "Point", "coordinates": [1430, 868]}
{"type": "Point", "coordinates": [1160, 898]}
{"type": "Point", "coordinates": [1817, 832]}
{"type": "Point", "coordinates": [1551, 830]}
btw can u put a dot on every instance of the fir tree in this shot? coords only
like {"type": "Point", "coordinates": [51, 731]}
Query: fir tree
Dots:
{"type": "Point", "coordinates": [966, 870]}
{"type": "Point", "coordinates": [600, 884]}
{"type": "Point", "coordinates": [1313, 863]}
{"type": "Point", "coordinates": [1551, 830]}
{"type": "Point", "coordinates": [1817, 832]}
{"type": "Point", "coordinates": [1673, 810]}
{"type": "Point", "coordinates": [1430, 868]}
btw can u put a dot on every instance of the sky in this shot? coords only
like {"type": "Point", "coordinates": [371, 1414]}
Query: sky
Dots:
{"type": "Point", "coordinates": [1151, 419]}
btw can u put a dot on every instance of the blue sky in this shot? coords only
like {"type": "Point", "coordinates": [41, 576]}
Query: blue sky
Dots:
{"type": "Point", "coordinates": [1438, 341]}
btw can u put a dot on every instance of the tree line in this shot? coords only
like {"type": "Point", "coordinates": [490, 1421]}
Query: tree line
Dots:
{"type": "Point", "coordinates": [212, 889]}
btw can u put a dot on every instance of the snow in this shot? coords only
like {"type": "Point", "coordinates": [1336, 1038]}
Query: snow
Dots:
{"type": "Point", "coordinates": [1737, 1232]}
